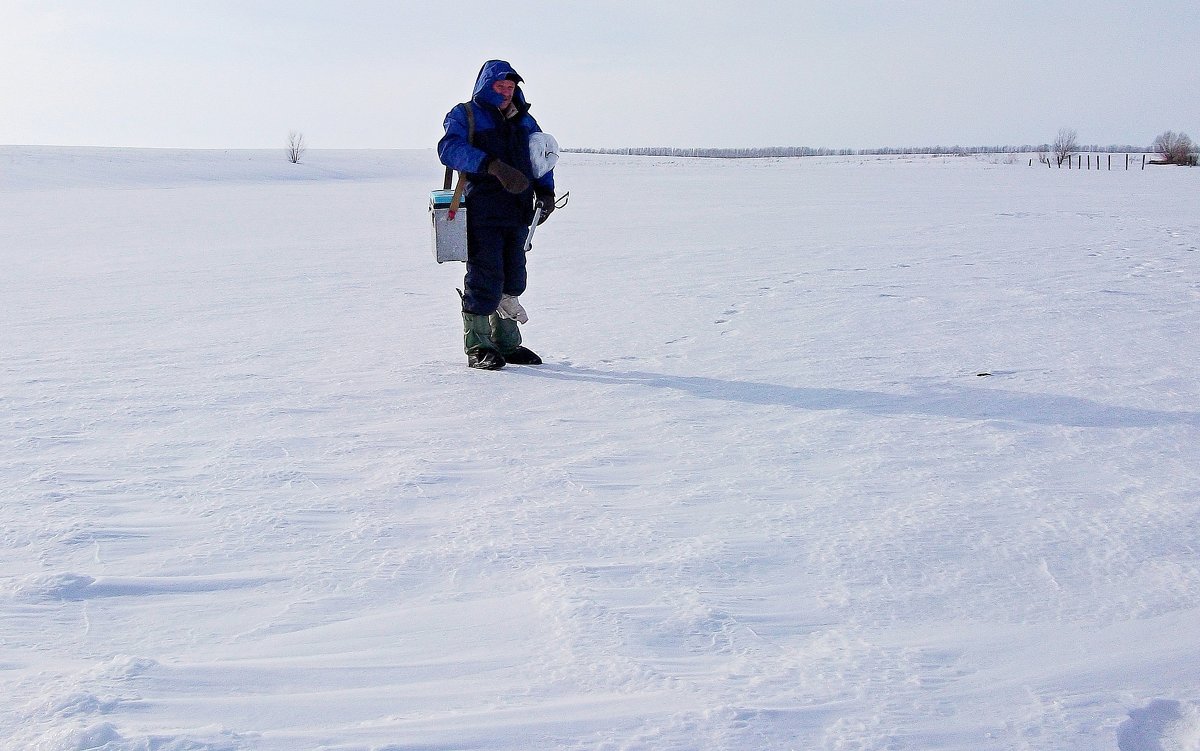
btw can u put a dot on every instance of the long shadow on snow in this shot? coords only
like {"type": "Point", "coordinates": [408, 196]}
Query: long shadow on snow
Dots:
{"type": "Point", "coordinates": [947, 400]}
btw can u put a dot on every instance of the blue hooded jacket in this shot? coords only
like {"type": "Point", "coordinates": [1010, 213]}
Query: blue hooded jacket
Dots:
{"type": "Point", "coordinates": [496, 137]}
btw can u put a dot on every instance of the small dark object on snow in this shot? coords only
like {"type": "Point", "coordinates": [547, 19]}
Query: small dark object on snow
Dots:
{"type": "Point", "coordinates": [982, 375]}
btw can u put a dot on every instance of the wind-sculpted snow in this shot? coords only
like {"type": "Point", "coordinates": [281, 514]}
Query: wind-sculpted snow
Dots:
{"type": "Point", "coordinates": [830, 453]}
{"type": "Point", "coordinates": [83, 587]}
{"type": "Point", "coordinates": [1161, 725]}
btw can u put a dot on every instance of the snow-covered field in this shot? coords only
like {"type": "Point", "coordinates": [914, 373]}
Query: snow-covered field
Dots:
{"type": "Point", "coordinates": [846, 453]}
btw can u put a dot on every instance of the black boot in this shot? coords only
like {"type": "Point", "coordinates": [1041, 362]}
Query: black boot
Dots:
{"type": "Point", "coordinates": [523, 356]}
{"type": "Point", "coordinates": [485, 359]}
{"type": "Point", "coordinates": [506, 335]}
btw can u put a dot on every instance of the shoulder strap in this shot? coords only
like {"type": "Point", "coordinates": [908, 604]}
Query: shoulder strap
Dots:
{"type": "Point", "coordinates": [462, 178]}
{"type": "Point", "coordinates": [470, 139]}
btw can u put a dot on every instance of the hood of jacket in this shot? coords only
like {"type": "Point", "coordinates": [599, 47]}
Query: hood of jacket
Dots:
{"type": "Point", "coordinates": [492, 71]}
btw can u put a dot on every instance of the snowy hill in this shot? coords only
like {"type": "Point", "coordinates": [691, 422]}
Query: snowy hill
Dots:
{"type": "Point", "coordinates": [830, 453]}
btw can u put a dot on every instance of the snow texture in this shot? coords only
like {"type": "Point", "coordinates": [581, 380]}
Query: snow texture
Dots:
{"type": "Point", "coordinates": [828, 453]}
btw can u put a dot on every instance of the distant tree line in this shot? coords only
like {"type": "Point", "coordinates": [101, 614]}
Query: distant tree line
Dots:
{"type": "Point", "coordinates": [1175, 148]}
{"type": "Point", "coordinates": [789, 151]}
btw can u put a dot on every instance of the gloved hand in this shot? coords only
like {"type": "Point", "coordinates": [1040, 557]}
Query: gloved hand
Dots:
{"type": "Point", "coordinates": [545, 199]}
{"type": "Point", "coordinates": [510, 177]}
{"type": "Point", "coordinates": [510, 307]}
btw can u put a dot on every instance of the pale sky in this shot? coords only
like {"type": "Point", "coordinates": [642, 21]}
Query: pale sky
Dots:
{"type": "Point", "coordinates": [732, 73]}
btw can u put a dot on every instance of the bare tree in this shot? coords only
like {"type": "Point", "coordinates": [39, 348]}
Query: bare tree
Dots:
{"type": "Point", "coordinates": [296, 147]}
{"type": "Point", "coordinates": [1175, 148]}
{"type": "Point", "coordinates": [1066, 144]}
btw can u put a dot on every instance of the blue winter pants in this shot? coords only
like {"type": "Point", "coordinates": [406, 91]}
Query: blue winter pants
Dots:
{"type": "Point", "coordinates": [495, 266]}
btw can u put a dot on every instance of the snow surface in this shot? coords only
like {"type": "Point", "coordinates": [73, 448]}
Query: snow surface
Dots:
{"type": "Point", "coordinates": [844, 453]}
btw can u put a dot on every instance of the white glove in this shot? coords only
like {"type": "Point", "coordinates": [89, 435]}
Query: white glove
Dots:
{"type": "Point", "coordinates": [510, 307]}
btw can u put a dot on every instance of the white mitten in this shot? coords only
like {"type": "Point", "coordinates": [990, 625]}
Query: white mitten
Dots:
{"type": "Point", "coordinates": [510, 307]}
{"type": "Point", "coordinates": [543, 153]}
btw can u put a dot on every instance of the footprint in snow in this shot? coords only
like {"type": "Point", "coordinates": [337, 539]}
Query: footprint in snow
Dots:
{"type": "Point", "coordinates": [728, 314]}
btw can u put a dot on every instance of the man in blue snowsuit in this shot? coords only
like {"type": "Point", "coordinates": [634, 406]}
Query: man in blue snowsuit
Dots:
{"type": "Point", "coordinates": [500, 197]}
